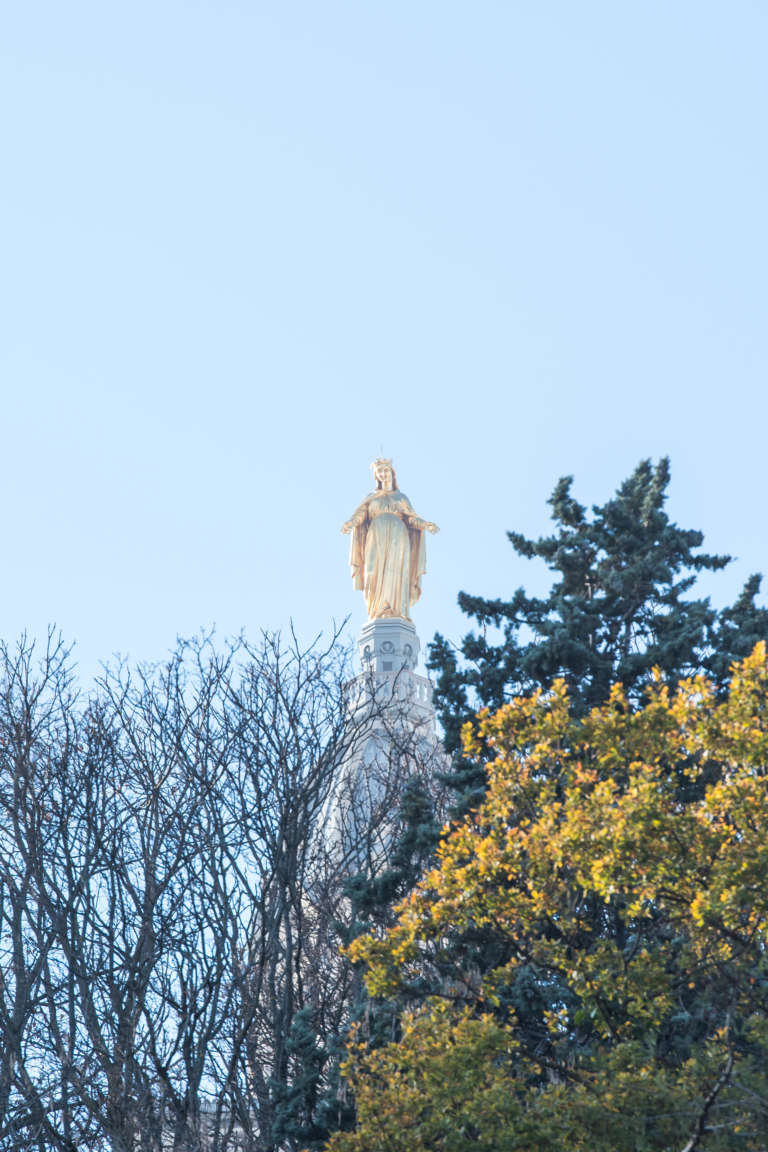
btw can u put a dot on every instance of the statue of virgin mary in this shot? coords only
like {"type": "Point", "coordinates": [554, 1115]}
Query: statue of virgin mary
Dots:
{"type": "Point", "coordinates": [387, 553]}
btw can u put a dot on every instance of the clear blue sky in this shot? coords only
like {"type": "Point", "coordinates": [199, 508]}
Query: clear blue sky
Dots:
{"type": "Point", "coordinates": [246, 246]}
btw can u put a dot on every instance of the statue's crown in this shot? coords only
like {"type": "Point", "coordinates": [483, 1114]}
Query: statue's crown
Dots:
{"type": "Point", "coordinates": [382, 463]}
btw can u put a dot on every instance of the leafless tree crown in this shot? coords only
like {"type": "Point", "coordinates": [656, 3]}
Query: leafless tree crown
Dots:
{"type": "Point", "coordinates": [167, 906]}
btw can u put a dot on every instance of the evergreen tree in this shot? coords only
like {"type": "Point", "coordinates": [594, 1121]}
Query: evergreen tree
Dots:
{"type": "Point", "coordinates": [648, 919]}
{"type": "Point", "coordinates": [318, 1101]}
{"type": "Point", "coordinates": [373, 897]}
{"type": "Point", "coordinates": [296, 1095]}
{"type": "Point", "coordinates": [620, 605]}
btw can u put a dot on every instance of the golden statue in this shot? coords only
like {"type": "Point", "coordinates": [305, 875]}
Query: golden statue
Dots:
{"type": "Point", "coordinates": [387, 553]}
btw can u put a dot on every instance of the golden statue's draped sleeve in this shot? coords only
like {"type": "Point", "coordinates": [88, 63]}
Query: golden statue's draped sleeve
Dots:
{"type": "Point", "coordinates": [357, 556]}
{"type": "Point", "coordinates": [418, 562]}
{"type": "Point", "coordinates": [357, 525]}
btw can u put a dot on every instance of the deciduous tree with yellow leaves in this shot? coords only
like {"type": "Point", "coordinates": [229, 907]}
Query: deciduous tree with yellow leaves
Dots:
{"type": "Point", "coordinates": [618, 866]}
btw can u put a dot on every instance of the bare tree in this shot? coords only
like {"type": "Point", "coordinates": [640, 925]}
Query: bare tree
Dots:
{"type": "Point", "coordinates": [37, 733]}
{"type": "Point", "coordinates": [170, 910]}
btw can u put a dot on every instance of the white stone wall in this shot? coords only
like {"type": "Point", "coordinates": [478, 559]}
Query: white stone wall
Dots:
{"type": "Point", "coordinates": [393, 705]}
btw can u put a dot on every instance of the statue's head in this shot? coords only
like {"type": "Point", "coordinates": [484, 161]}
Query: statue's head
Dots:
{"type": "Point", "coordinates": [384, 474]}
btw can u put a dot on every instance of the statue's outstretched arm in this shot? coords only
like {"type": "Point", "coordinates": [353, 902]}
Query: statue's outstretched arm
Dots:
{"type": "Point", "coordinates": [357, 518]}
{"type": "Point", "coordinates": [415, 521]}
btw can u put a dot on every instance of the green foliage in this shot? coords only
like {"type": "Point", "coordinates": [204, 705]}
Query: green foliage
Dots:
{"type": "Point", "coordinates": [438, 1088]}
{"type": "Point", "coordinates": [645, 919]}
{"type": "Point", "coordinates": [296, 1094]}
{"type": "Point", "coordinates": [373, 897]}
{"type": "Point", "coordinates": [317, 1101]}
{"type": "Point", "coordinates": [619, 606]}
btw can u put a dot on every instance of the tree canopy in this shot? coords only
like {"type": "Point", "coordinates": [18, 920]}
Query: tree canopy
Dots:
{"type": "Point", "coordinates": [634, 911]}
{"type": "Point", "coordinates": [622, 603]}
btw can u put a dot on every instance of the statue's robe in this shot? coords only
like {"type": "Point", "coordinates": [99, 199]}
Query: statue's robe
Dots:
{"type": "Point", "coordinates": [387, 556]}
